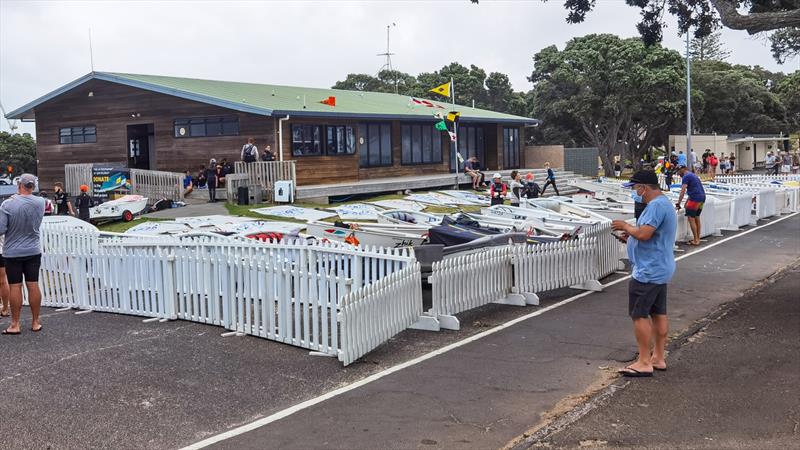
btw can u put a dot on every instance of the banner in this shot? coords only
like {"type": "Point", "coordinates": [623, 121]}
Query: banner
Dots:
{"type": "Point", "coordinates": [110, 181]}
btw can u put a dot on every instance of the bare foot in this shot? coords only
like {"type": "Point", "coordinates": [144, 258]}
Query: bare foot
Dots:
{"type": "Point", "coordinates": [5, 313]}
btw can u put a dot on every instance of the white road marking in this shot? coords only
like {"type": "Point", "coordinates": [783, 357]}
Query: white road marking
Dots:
{"type": "Point", "coordinates": [377, 376]}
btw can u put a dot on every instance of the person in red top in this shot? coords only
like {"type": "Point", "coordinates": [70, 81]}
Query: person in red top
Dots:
{"type": "Point", "coordinates": [497, 190]}
{"type": "Point", "coordinates": [713, 162]}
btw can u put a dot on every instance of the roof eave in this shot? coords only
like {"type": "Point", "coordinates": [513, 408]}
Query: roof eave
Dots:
{"type": "Point", "coordinates": [24, 112]}
{"type": "Point", "coordinates": [404, 117]}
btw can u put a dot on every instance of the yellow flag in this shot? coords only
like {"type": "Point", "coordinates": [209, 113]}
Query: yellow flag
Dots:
{"type": "Point", "coordinates": [442, 90]}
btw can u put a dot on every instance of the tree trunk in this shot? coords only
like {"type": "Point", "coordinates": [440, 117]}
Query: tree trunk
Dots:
{"type": "Point", "coordinates": [607, 157]}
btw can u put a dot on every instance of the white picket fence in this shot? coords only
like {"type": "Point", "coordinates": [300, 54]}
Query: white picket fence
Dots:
{"type": "Point", "coordinates": [556, 265]}
{"type": "Point", "coordinates": [266, 173]}
{"type": "Point", "coordinates": [743, 179]}
{"type": "Point", "coordinates": [314, 296]}
{"type": "Point", "coordinates": [155, 184]}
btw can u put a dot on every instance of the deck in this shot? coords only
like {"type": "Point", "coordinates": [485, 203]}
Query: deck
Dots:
{"type": "Point", "coordinates": [321, 193]}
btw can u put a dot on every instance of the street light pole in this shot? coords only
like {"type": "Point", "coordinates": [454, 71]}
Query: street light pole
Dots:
{"type": "Point", "coordinates": [688, 97]}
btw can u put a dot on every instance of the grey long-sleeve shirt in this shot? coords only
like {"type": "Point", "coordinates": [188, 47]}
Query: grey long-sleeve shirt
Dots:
{"type": "Point", "coordinates": [20, 219]}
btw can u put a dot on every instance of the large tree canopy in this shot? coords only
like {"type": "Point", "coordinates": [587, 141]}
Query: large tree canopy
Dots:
{"type": "Point", "coordinates": [613, 90]}
{"type": "Point", "coordinates": [753, 16]}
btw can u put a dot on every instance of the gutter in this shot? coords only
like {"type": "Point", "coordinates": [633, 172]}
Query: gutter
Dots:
{"type": "Point", "coordinates": [280, 136]}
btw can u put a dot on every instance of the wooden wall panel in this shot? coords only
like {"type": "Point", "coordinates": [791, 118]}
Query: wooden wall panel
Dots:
{"type": "Point", "coordinates": [110, 108]}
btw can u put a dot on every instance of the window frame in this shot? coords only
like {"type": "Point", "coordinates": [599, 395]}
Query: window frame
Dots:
{"type": "Point", "coordinates": [190, 122]}
{"type": "Point", "coordinates": [82, 133]}
{"type": "Point", "coordinates": [364, 149]}
{"type": "Point", "coordinates": [511, 141]}
{"type": "Point", "coordinates": [424, 128]}
{"type": "Point", "coordinates": [351, 136]}
{"type": "Point", "coordinates": [309, 126]}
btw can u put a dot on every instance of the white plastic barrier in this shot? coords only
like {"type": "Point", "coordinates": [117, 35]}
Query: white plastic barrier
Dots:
{"type": "Point", "coordinates": [741, 210]}
{"type": "Point", "coordinates": [765, 204]}
{"type": "Point", "coordinates": [291, 292]}
{"type": "Point", "coordinates": [469, 281]}
{"type": "Point", "coordinates": [743, 179]}
{"type": "Point", "coordinates": [555, 265]}
{"type": "Point", "coordinates": [373, 314]}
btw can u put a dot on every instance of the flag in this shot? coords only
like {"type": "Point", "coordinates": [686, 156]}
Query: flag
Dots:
{"type": "Point", "coordinates": [453, 116]}
{"type": "Point", "coordinates": [452, 136]}
{"type": "Point", "coordinates": [417, 101]}
{"type": "Point", "coordinates": [442, 90]}
{"type": "Point", "coordinates": [441, 126]}
{"type": "Point", "coordinates": [460, 158]}
{"type": "Point", "coordinates": [330, 101]}
{"type": "Point", "coordinates": [438, 115]}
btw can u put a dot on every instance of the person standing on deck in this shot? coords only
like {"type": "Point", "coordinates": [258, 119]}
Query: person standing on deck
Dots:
{"type": "Point", "coordinates": [650, 244]}
{"type": "Point", "coordinates": [211, 180]}
{"type": "Point", "coordinates": [250, 151]}
{"type": "Point", "coordinates": [551, 179]}
{"type": "Point", "coordinates": [691, 185]}
{"type": "Point", "coordinates": [20, 218]}
{"type": "Point", "coordinates": [84, 203]}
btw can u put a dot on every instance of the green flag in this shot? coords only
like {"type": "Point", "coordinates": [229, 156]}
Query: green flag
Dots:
{"type": "Point", "coordinates": [441, 126]}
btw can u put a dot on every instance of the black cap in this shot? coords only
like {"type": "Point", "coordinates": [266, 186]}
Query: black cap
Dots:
{"type": "Point", "coordinates": [643, 177]}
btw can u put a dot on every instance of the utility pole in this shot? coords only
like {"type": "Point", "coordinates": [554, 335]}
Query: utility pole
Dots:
{"type": "Point", "coordinates": [388, 54]}
{"type": "Point", "coordinates": [688, 98]}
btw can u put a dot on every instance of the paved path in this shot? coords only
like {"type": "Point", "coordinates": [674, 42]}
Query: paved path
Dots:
{"type": "Point", "coordinates": [110, 381]}
{"type": "Point", "coordinates": [488, 392]}
{"type": "Point", "coordinates": [732, 385]}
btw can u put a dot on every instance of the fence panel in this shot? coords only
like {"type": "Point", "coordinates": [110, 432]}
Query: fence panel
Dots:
{"type": "Point", "coordinates": [75, 175]}
{"type": "Point", "coordinates": [466, 282]}
{"type": "Point", "coordinates": [375, 313]}
{"type": "Point", "coordinates": [554, 265]}
{"type": "Point", "coordinates": [156, 185]}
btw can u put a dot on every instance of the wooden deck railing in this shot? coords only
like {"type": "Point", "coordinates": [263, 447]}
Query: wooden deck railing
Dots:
{"type": "Point", "coordinates": [266, 173]}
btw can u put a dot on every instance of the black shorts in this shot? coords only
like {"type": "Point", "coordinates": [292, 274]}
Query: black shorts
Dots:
{"type": "Point", "coordinates": [2, 262]}
{"type": "Point", "coordinates": [646, 299]}
{"type": "Point", "coordinates": [26, 267]}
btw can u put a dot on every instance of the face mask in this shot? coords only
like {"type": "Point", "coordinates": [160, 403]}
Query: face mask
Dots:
{"type": "Point", "coordinates": [636, 197]}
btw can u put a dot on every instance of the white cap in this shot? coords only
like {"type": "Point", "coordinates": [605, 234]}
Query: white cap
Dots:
{"type": "Point", "coordinates": [497, 175]}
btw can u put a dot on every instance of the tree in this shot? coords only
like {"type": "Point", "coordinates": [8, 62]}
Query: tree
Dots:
{"type": "Point", "coordinates": [753, 16]}
{"type": "Point", "coordinates": [785, 44]}
{"type": "Point", "coordinates": [708, 47]}
{"type": "Point", "coordinates": [736, 99]}
{"type": "Point", "coordinates": [788, 91]}
{"type": "Point", "coordinates": [613, 90]}
{"type": "Point", "coordinates": [17, 151]}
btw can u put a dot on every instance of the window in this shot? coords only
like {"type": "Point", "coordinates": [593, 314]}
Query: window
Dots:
{"type": "Point", "coordinates": [421, 144]}
{"type": "Point", "coordinates": [511, 148]}
{"type": "Point", "coordinates": [206, 126]}
{"type": "Point", "coordinates": [306, 140]}
{"type": "Point", "coordinates": [340, 140]}
{"type": "Point", "coordinates": [78, 135]}
{"type": "Point", "coordinates": [470, 143]}
{"type": "Point", "coordinates": [375, 144]}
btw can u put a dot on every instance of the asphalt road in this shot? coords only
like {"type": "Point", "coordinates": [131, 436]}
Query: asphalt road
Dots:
{"type": "Point", "coordinates": [732, 385]}
{"type": "Point", "coordinates": [109, 381]}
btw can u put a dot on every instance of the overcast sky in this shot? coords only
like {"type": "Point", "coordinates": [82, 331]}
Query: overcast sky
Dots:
{"type": "Point", "coordinates": [44, 44]}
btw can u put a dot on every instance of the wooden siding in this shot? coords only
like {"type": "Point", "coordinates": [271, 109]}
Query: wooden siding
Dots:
{"type": "Point", "coordinates": [110, 109]}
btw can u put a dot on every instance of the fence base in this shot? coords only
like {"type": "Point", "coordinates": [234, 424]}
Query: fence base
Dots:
{"type": "Point", "coordinates": [589, 285]}
{"type": "Point", "coordinates": [83, 311]}
{"type": "Point", "coordinates": [426, 323]}
{"type": "Point", "coordinates": [512, 300]}
{"type": "Point", "coordinates": [64, 309]}
{"type": "Point", "coordinates": [530, 298]}
{"type": "Point", "coordinates": [448, 322]}
{"type": "Point", "coordinates": [315, 353]}
{"type": "Point", "coordinates": [232, 333]}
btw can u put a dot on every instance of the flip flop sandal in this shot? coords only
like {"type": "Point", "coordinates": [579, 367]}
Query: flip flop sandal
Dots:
{"type": "Point", "coordinates": [633, 373]}
{"type": "Point", "coordinates": [11, 333]}
{"type": "Point", "coordinates": [38, 329]}
{"type": "Point", "coordinates": [660, 369]}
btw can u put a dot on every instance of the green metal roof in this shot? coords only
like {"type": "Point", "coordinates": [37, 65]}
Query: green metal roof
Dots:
{"type": "Point", "coordinates": [270, 100]}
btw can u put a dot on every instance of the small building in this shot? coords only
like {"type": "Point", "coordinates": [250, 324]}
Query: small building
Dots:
{"type": "Point", "coordinates": [178, 124]}
{"type": "Point", "coordinates": [750, 150]}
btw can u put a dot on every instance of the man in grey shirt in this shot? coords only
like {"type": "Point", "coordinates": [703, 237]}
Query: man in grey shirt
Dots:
{"type": "Point", "coordinates": [20, 219]}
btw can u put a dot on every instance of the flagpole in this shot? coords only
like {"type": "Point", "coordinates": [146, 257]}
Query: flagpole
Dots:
{"type": "Point", "coordinates": [455, 130]}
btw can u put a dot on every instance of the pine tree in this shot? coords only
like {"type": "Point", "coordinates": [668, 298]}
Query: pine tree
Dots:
{"type": "Point", "coordinates": [708, 48]}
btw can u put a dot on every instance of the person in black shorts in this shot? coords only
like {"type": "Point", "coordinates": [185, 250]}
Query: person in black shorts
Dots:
{"type": "Point", "coordinates": [20, 218]}
{"type": "Point", "coordinates": [61, 198]}
{"type": "Point", "coordinates": [5, 310]}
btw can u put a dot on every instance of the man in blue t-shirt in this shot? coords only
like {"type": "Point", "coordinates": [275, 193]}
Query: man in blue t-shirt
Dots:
{"type": "Point", "coordinates": [681, 158]}
{"type": "Point", "coordinates": [691, 185]}
{"type": "Point", "coordinates": [650, 244]}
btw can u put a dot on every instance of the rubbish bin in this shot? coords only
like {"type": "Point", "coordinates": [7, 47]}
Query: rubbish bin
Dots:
{"type": "Point", "coordinates": [243, 195]}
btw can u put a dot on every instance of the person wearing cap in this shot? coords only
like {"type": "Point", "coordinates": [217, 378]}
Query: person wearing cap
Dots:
{"type": "Point", "coordinates": [691, 185]}
{"type": "Point", "coordinates": [497, 190]}
{"type": "Point", "coordinates": [211, 180]}
{"type": "Point", "coordinates": [531, 187]}
{"type": "Point", "coordinates": [20, 218]}
{"type": "Point", "coordinates": [650, 244]}
{"type": "Point", "coordinates": [83, 203]}
{"type": "Point", "coordinates": [551, 179]}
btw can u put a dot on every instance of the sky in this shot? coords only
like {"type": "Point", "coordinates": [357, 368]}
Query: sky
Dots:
{"type": "Point", "coordinates": [45, 44]}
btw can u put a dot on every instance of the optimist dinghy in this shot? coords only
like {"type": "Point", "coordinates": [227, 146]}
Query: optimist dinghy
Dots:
{"type": "Point", "coordinates": [365, 237]}
{"type": "Point", "coordinates": [409, 217]}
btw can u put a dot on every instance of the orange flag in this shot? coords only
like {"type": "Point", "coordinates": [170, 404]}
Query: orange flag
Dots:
{"type": "Point", "coordinates": [330, 101]}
